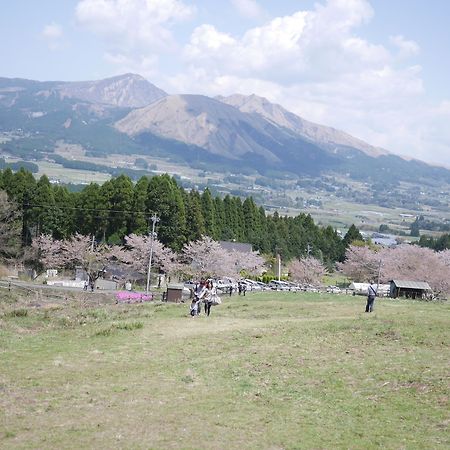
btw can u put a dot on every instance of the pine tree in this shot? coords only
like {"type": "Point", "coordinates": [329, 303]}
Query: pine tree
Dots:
{"type": "Point", "coordinates": [138, 222]}
{"type": "Point", "coordinates": [64, 213]}
{"type": "Point", "coordinates": [352, 235]}
{"type": "Point", "coordinates": [165, 200]}
{"type": "Point", "coordinates": [208, 211]}
{"type": "Point", "coordinates": [195, 223]}
{"type": "Point", "coordinates": [43, 210]}
{"type": "Point", "coordinates": [121, 203]}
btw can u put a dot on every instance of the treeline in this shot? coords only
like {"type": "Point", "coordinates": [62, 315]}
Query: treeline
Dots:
{"type": "Point", "coordinates": [120, 207]}
{"type": "Point", "coordinates": [134, 174]}
{"type": "Point", "coordinates": [440, 243]}
{"type": "Point", "coordinates": [32, 167]}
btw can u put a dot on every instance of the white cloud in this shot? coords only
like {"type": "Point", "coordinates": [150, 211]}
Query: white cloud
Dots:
{"type": "Point", "coordinates": [52, 31]}
{"type": "Point", "coordinates": [145, 65]}
{"type": "Point", "coordinates": [53, 34]}
{"type": "Point", "coordinates": [133, 24]}
{"type": "Point", "coordinates": [316, 64]}
{"type": "Point", "coordinates": [312, 44]}
{"type": "Point", "coordinates": [248, 8]}
{"type": "Point", "coordinates": [405, 47]}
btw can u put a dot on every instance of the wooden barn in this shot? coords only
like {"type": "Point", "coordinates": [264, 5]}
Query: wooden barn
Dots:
{"type": "Point", "coordinates": [409, 289]}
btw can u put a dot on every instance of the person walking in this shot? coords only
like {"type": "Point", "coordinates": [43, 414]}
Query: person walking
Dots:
{"type": "Point", "coordinates": [207, 296]}
{"type": "Point", "coordinates": [371, 294]}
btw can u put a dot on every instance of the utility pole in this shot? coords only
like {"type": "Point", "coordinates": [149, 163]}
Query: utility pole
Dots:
{"type": "Point", "coordinates": [279, 267]}
{"type": "Point", "coordinates": [379, 274]}
{"type": "Point", "coordinates": [154, 219]}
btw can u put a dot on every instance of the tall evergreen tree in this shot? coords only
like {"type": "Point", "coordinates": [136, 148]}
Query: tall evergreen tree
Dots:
{"type": "Point", "coordinates": [87, 219]}
{"type": "Point", "coordinates": [43, 211]}
{"type": "Point", "coordinates": [219, 213]}
{"type": "Point", "coordinates": [251, 222]}
{"type": "Point", "coordinates": [195, 223]}
{"type": "Point", "coordinates": [352, 235]}
{"type": "Point", "coordinates": [121, 203]}
{"type": "Point", "coordinates": [208, 211]}
{"type": "Point", "coordinates": [138, 222]}
{"type": "Point", "coordinates": [164, 199]}
{"type": "Point", "coordinates": [21, 187]}
{"type": "Point", "coordinates": [64, 213]}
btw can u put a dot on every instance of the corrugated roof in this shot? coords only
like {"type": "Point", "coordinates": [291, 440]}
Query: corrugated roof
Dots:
{"type": "Point", "coordinates": [412, 284]}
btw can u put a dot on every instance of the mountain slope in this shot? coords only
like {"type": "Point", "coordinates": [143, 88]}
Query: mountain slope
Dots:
{"type": "Point", "coordinates": [226, 131]}
{"type": "Point", "coordinates": [325, 136]}
{"type": "Point", "coordinates": [38, 116]}
{"type": "Point", "coordinates": [237, 133]}
{"type": "Point", "coordinates": [129, 90]}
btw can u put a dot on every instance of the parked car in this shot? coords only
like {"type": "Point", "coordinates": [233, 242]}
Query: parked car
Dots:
{"type": "Point", "coordinates": [278, 285]}
{"type": "Point", "coordinates": [252, 285]}
{"type": "Point", "coordinates": [293, 286]}
{"type": "Point", "coordinates": [263, 286]}
{"type": "Point", "coordinates": [333, 290]}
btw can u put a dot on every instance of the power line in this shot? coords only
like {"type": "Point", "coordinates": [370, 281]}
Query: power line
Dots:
{"type": "Point", "coordinates": [78, 208]}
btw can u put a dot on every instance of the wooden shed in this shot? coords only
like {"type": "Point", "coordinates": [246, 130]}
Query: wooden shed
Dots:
{"type": "Point", "coordinates": [409, 289]}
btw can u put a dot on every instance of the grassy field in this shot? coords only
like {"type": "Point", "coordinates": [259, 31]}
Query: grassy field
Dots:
{"type": "Point", "coordinates": [265, 371]}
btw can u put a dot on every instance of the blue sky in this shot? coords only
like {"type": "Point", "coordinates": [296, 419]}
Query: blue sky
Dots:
{"type": "Point", "coordinates": [378, 69]}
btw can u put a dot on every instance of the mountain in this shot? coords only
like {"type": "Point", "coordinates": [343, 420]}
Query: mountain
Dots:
{"type": "Point", "coordinates": [35, 116]}
{"type": "Point", "coordinates": [224, 130]}
{"type": "Point", "coordinates": [129, 90]}
{"type": "Point", "coordinates": [325, 136]}
{"type": "Point", "coordinates": [239, 134]}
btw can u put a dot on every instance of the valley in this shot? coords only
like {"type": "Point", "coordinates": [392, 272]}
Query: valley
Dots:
{"type": "Point", "coordinates": [82, 132]}
{"type": "Point", "coordinates": [336, 200]}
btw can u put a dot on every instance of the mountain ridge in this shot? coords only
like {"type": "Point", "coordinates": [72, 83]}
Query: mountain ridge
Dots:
{"type": "Point", "coordinates": [277, 114]}
{"type": "Point", "coordinates": [128, 114]}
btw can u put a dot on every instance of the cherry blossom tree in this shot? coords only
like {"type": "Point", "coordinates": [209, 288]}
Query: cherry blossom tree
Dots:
{"type": "Point", "coordinates": [206, 258]}
{"type": "Point", "coordinates": [136, 254]}
{"type": "Point", "coordinates": [411, 262]}
{"type": "Point", "coordinates": [49, 252]}
{"type": "Point", "coordinates": [307, 270]}
{"type": "Point", "coordinates": [444, 256]}
{"type": "Point", "coordinates": [404, 262]}
{"type": "Point", "coordinates": [361, 263]}
{"type": "Point", "coordinates": [78, 250]}
{"type": "Point", "coordinates": [250, 262]}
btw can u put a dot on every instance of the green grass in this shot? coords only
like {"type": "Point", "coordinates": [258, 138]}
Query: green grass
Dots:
{"type": "Point", "coordinates": [268, 371]}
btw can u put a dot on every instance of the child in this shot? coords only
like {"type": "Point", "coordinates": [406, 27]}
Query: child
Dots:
{"type": "Point", "coordinates": [195, 306]}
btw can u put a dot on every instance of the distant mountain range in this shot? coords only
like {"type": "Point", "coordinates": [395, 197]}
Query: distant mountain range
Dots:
{"type": "Point", "coordinates": [129, 115]}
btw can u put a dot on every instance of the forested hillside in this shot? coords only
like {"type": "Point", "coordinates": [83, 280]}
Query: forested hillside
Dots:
{"type": "Point", "coordinates": [120, 207]}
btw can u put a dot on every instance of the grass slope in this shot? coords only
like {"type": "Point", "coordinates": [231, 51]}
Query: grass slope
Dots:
{"type": "Point", "coordinates": [269, 370]}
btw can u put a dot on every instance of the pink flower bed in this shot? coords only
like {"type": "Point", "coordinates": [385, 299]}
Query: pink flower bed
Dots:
{"type": "Point", "coordinates": [133, 297]}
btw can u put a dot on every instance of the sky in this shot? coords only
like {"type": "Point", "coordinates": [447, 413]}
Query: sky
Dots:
{"type": "Point", "coordinates": [377, 69]}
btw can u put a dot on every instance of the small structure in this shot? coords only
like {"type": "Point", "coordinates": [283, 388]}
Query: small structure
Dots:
{"type": "Point", "coordinates": [106, 285]}
{"type": "Point", "coordinates": [361, 289]}
{"type": "Point", "coordinates": [409, 289]}
{"type": "Point", "coordinates": [385, 240]}
{"type": "Point", "coordinates": [174, 293]}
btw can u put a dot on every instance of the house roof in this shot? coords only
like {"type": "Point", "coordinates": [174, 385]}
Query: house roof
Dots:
{"type": "Point", "coordinates": [359, 285]}
{"type": "Point", "coordinates": [412, 284]}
